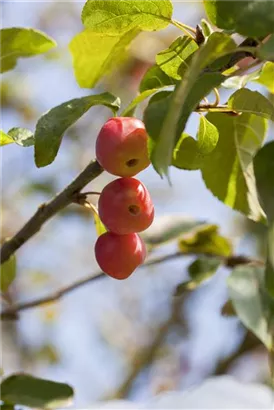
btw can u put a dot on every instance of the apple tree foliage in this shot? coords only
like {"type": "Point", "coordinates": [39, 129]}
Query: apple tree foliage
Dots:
{"type": "Point", "coordinates": [229, 148]}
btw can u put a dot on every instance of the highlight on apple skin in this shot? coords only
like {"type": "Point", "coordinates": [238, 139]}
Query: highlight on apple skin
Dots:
{"type": "Point", "coordinates": [119, 255]}
{"type": "Point", "coordinates": [121, 146]}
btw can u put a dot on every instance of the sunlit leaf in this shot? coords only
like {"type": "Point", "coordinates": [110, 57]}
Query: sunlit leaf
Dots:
{"type": "Point", "coordinates": [116, 16]}
{"type": "Point", "coordinates": [95, 54]}
{"type": "Point", "coordinates": [5, 139]}
{"type": "Point", "coordinates": [19, 42]}
{"type": "Point", "coordinates": [228, 170]}
{"type": "Point", "coordinates": [266, 76]}
{"type": "Point", "coordinates": [190, 153]}
{"type": "Point", "coordinates": [205, 240]}
{"type": "Point", "coordinates": [252, 102]}
{"type": "Point", "coordinates": [176, 55]}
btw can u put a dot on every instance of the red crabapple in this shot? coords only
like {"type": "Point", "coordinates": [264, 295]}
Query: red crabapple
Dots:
{"type": "Point", "coordinates": [119, 255]}
{"type": "Point", "coordinates": [125, 206]}
{"type": "Point", "coordinates": [121, 146]}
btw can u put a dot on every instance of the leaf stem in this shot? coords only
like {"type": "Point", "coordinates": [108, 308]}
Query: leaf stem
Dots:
{"type": "Point", "coordinates": [185, 28]}
{"type": "Point", "coordinates": [217, 98]}
{"type": "Point", "coordinates": [219, 108]}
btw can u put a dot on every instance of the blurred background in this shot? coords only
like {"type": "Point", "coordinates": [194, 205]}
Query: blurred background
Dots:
{"type": "Point", "coordinates": [110, 339]}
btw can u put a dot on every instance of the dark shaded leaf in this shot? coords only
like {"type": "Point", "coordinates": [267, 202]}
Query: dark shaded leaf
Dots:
{"type": "Point", "coordinates": [238, 15]}
{"type": "Point", "coordinates": [264, 173]}
{"type": "Point", "coordinates": [52, 125]}
{"type": "Point", "coordinates": [155, 78]}
{"type": "Point", "coordinates": [34, 392]}
{"type": "Point", "coordinates": [191, 90]}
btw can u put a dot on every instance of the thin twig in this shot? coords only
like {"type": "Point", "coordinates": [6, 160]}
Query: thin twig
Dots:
{"type": "Point", "coordinates": [220, 108]}
{"type": "Point", "coordinates": [12, 311]}
{"type": "Point", "coordinates": [48, 210]}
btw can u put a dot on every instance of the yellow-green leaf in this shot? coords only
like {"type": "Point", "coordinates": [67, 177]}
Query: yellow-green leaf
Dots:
{"type": "Point", "coordinates": [117, 16]}
{"type": "Point", "coordinates": [190, 153]}
{"type": "Point", "coordinates": [228, 170]}
{"type": "Point", "coordinates": [8, 273]}
{"type": "Point", "coordinates": [95, 54]}
{"type": "Point", "coordinates": [19, 42]}
{"type": "Point", "coordinates": [205, 240]}
{"type": "Point", "coordinates": [5, 138]}
{"type": "Point", "coordinates": [266, 76]}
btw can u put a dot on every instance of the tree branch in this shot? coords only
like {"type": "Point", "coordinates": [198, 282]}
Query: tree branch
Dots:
{"type": "Point", "coordinates": [12, 311]}
{"type": "Point", "coordinates": [48, 210]}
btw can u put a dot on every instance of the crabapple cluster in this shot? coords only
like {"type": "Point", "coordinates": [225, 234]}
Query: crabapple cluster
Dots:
{"type": "Point", "coordinates": [125, 206]}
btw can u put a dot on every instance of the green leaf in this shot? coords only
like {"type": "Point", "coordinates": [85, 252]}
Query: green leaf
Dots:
{"type": "Point", "coordinates": [205, 240]}
{"type": "Point", "coordinates": [245, 292]}
{"type": "Point", "coordinates": [155, 112]}
{"type": "Point", "coordinates": [203, 268]}
{"type": "Point", "coordinates": [5, 139]}
{"type": "Point", "coordinates": [266, 76]}
{"type": "Point", "coordinates": [266, 50]}
{"type": "Point", "coordinates": [228, 170]}
{"type": "Point", "coordinates": [155, 78]}
{"type": "Point", "coordinates": [22, 136]}
{"type": "Point", "coordinates": [118, 16]}
{"type": "Point", "coordinates": [52, 125]}
{"type": "Point", "coordinates": [206, 28]}
{"type": "Point", "coordinates": [240, 81]}
{"type": "Point", "coordinates": [33, 392]}
{"type": "Point", "coordinates": [8, 273]}
{"type": "Point", "coordinates": [179, 107]}
{"type": "Point", "coordinates": [19, 42]}
{"type": "Point", "coordinates": [190, 153]}
{"type": "Point", "coordinates": [176, 56]}
{"type": "Point", "coordinates": [158, 109]}
{"type": "Point", "coordinates": [95, 55]}
{"type": "Point", "coordinates": [168, 228]}
{"type": "Point", "coordinates": [264, 173]}
{"type": "Point", "coordinates": [238, 15]}
{"type": "Point", "coordinates": [129, 110]}
{"type": "Point", "coordinates": [247, 101]}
